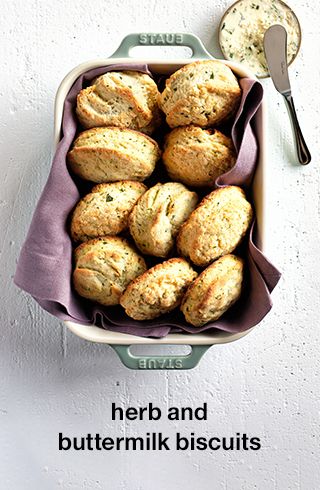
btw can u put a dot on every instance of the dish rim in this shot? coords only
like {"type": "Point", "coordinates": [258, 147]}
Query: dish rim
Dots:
{"type": "Point", "coordinates": [96, 334]}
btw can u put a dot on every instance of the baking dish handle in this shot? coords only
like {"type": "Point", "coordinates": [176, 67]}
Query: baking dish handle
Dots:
{"type": "Point", "coordinates": [161, 39]}
{"type": "Point", "coordinates": [165, 362]}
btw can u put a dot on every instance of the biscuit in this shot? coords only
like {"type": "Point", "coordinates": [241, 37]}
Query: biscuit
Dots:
{"type": "Point", "coordinates": [156, 218]}
{"type": "Point", "coordinates": [125, 99]}
{"type": "Point", "coordinates": [216, 226]}
{"type": "Point", "coordinates": [104, 267]}
{"type": "Point", "coordinates": [196, 156]}
{"type": "Point", "coordinates": [213, 292]}
{"type": "Point", "coordinates": [105, 210]}
{"type": "Point", "coordinates": [111, 154]}
{"type": "Point", "coordinates": [204, 93]}
{"type": "Point", "coordinates": [159, 290]}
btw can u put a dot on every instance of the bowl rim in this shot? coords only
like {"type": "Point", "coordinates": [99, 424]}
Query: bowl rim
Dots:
{"type": "Point", "coordinates": [236, 3]}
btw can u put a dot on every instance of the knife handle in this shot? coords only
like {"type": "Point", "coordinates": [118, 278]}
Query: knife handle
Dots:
{"type": "Point", "coordinates": [304, 155]}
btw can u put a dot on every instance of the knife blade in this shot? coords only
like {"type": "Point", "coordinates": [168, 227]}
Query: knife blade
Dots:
{"type": "Point", "coordinates": [275, 49]}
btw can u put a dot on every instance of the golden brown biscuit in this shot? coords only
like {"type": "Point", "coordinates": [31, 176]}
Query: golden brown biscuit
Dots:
{"type": "Point", "coordinates": [112, 154]}
{"type": "Point", "coordinates": [159, 290]}
{"type": "Point", "coordinates": [204, 93]}
{"type": "Point", "coordinates": [104, 267]}
{"type": "Point", "coordinates": [105, 210]}
{"type": "Point", "coordinates": [213, 292]}
{"type": "Point", "coordinates": [125, 99]}
{"type": "Point", "coordinates": [156, 218]}
{"type": "Point", "coordinates": [196, 156]}
{"type": "Point", "coordinates": [216, 226]}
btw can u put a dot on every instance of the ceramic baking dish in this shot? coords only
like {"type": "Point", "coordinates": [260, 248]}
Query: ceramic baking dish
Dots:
{"type": "Point", "coordinates": [198, 343]}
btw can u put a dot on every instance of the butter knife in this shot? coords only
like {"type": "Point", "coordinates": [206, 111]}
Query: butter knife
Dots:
{"type": "Point", "coordinates": [275, 48]}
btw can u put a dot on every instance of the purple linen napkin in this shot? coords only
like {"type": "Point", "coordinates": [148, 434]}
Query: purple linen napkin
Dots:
{"type": "Point", "coordinates": [45, 264]}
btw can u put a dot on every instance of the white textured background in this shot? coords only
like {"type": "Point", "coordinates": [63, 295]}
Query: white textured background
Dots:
{"type": "Point", "coordinates": [266, 385]}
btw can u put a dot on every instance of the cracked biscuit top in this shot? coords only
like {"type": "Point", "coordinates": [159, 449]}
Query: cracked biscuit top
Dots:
{"type": "Point", "coordinates": [159, 290]}
{"type": "Point", "coordinates": [214, 291]}
{"type": "Point", "coordinates": [216, 226]}
{"type": "Point", "coordinates": [196, 156]}
{"type": "Point", "coordinates": [125, 99]}
{"type": "Point", "coordinates": [105, 210]}
{"type": "Point", "coordinates": [111, 154]}
{"type": "Point", "coordinates": [156, 218]}
{"type": "Point", "coordinates": [104, 267]}
{"type": "Point", "coordinates": [203, 93]}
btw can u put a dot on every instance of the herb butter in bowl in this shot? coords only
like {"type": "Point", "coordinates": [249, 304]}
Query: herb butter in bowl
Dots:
{"type": "Point", "coordinates": [242, 30]}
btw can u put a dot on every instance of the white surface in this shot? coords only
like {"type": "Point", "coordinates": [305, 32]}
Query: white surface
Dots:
{"type": "Point", "coordinates": [267, 384]}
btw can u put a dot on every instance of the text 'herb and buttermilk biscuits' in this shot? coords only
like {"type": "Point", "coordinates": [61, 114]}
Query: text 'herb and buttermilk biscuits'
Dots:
{"type": "Point", "coordinates": [120, 108]}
